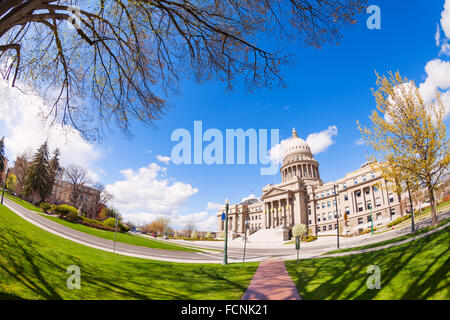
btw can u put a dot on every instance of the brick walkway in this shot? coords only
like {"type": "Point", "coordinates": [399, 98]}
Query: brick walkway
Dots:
{"type": "Point", "coordinates": [271, 282]}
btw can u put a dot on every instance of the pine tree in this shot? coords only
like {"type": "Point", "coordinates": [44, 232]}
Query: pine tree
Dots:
{"type": "Point", "coordinates": [2, 156]}
{"type": "Point", "coordinates": [37, 179]}
{"type": "Point", "coordinates": [54, 168]}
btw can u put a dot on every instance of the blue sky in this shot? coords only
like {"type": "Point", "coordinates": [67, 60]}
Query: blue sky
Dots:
{"type": "Point", "coordinates": [325, 87]}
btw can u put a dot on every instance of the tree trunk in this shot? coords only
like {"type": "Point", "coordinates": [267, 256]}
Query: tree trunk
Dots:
{"type": "Point", "coordinates": [433, 207]}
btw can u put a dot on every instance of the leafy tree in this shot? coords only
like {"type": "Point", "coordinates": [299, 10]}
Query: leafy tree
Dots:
{"type": "Point", "coordinates": [409, 135]}
{"type": "Point", "coordinates": [194, 235]}
{"type": "Point", "coordinates": [208, 235]}
{"type": "Point", "coordinates": [117, 55]}
{"type": "Point", "coordinates": [11, 182]}
{"type": "Point", "coordinates": [299, 230]}
{"type": "Point", "coordinates": [37, 179]}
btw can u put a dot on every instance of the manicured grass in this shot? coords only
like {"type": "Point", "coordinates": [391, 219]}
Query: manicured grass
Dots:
{"type": "Point", "coordinates": [393, 240]}
{"type": "Point", "coordinates": [121, 237]}
{"type": "Point", "coordinates": [104, 234]}
{"type": "Point", "coordinates": [416, 270]}
{"type": "Point", "coordinates": [23, 203]}
{"type": "Point", "coordinates": [34, 262]}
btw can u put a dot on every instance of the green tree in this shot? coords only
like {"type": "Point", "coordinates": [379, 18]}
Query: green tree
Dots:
{"type": "Point", "coordinates": [54, 168]}
{"type": "Point", "coordinates": [208, 235]}
{"type": "Point", "coordinates": [37, 180]}
{"type": "Point", "coordinates": [408, 135]}
{"type": "Point", "coordinates": [11, 182]}
{"type": "Point", "coordinates": [194, 235]}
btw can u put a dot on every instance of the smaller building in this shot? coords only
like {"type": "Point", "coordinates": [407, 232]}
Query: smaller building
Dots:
{"type": "Point", "coordinates": [88, 201]}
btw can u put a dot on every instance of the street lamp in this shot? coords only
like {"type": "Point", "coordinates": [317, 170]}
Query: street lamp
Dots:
{"type": "Point", "coordinates": [247, 220]}
{"type": "Point", "coordinates": [4, 185]}
{"type": "Point", "coordinates": [225, 257]}
{"type": "Point", "coordinates": [337, 215]}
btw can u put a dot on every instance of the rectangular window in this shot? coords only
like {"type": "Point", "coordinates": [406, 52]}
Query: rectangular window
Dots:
{"type": "Point", "coordinates": [360, 221]}
{"type": "Point", "coordinates": [367, 191]}
{"type": "Point", "coordinates": [378, 216]}
{"type": "Point", "coordinates": [347, 210]}
{"type": "Point", "coordinates": [324, 228]}
{"type": "Point", "coordinates": [330, 227]}
{"type": "Point", "coordinates": [369, 205]}
{"type": "Point", "coordinates": [318, 229]}
{"type": "Point", "coordinates": [355, 181]}
{"type": "Point", "coordinates": [346, 197]}
{"type": "Point", "coordinates": [391, 198]}
{"type": "Point", "coordinates": [360, 207]}
{"type": "Point", "coordinates": [364, 178]}
{"type": "Point", "coordinates": [324, 217]}
{"type": "Point", "coordinates": [329, 204]}
{"type": "Point", "coordinates": [369, 219]}
{"type": "Point", "coordinates": [358, 194]}
{"type": "Point", "coordinates": [378, 201]}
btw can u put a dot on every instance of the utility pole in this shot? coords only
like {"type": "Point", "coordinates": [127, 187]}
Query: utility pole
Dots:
{"type": "Point", "coordinates": [337, 215]}
{"type": "Point", "coordinates": [225, 257]}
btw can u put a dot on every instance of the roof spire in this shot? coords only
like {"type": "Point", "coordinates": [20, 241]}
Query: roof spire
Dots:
{"type": "Point", "coordinates": [294, 133]}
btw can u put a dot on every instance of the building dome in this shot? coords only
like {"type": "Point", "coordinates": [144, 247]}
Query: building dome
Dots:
{"type": "Point", "coordinates": [298, 161]}
{"type": "Point", "coordinates": [296, 145]}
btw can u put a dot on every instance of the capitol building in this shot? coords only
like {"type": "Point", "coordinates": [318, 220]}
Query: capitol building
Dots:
{"type": "Point", "coordinates": [302, 197]}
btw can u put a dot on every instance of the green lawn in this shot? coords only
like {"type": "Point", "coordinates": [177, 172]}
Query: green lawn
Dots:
{"type": "Point", "coordinates": [23, 203]}
{"type": "Point", "coordinates": [416, 270]}
{"type": "Point", "coordinates": [33, 265]}
{"type": "Point", "coordinates": [121, 237]}
{"type": "Point", "coordinates": [393, 240]}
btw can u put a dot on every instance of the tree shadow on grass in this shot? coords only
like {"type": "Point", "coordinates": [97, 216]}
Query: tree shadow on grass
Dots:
{"type": "Point", "coordinates": [348, 275]}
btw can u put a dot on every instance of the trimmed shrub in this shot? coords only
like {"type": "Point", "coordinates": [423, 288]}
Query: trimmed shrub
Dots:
{"type": "Point", "coordinates": [72, 217]}
{"type": "Point", "coordinates": [399, 220]}
{"type": "Point", "coordinates": [111, 222]}
{"type": "Point", "coordinates": [311, 239]}
{"type": "Point", "coordinates": [64, 209]}
{"type": "Point", "coordinates": [46, 207]}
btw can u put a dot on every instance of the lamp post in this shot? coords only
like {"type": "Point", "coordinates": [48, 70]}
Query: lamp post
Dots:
{"type": "Point", "coordinates": [225, 250]}
{"type": "Point", "coordinates": [247, 220]}
{"type": "Point", "coordinates": [337, 216]}
{"type": "Point", "coordinates": [371, 217]}
{"type": "Point", "coordinates": [4, 185]}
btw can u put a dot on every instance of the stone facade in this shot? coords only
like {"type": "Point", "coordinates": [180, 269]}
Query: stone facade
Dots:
{"type": "Point", "coordinates": [350, 202]}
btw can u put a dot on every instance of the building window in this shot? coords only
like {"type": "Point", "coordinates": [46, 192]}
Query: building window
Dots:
{"type": "Point", "coordinates": [324, 217]}
{"type": "Point", "coordinates": [360, 221]}
{"type": "Point", "coordinates": [378, 202]}
{"type": "Point", "coordinates": [318, 229]}
{"type": "Point", "coordinates": [364, 178]}
{"type": "Point", "coordinates": [318, 207]}
{"type": "Point", "coordinates": [392, 212]}
{"type": "Point", "coordinates": [318, 218]}
{"type": "Point", "coordinates": [346, 197]}
{"type": "Point", "coordinates": [309, 221]}
{"type": "Point", "coordinates": [355, 181]}
{"type": "Point", "coordinates": [369, 219]}
{"type": "Point", "coordinates": [378, 216]}
{"type": "Point", "coordinates": [373, 175]}
{"type": "Point", "coordinates": [358, 193]}
{"type": "Point", "coordinates": [329, 215]}
{"type": "Point", "coordinates": [329, 204]}
{"type": "Point", "coordinates": [324, 228]}
{"type": "Point", "coordinates": [369, 205]}
{"type": "Point", "coordinates": [391, 198]}
{"type": "Point", "coordinates": [367, 191]}
{"type": "Point", "coordinates": [347, 210]}
{"type": "Point", "coordinates": [323, 205]}
{"type": "Point", "coordinates": [330, 227]}
{"type": "Point", "coordinates": [360, 207]}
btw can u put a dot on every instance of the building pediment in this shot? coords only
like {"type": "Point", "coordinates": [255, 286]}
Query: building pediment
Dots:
{"type": "Point", "coordinates": [274, 191]}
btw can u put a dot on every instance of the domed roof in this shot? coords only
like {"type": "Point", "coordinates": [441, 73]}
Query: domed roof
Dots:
{"type": "Point", "coordinates": [296, 145]}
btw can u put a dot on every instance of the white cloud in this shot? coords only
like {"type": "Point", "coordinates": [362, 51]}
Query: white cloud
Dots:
{"type": "Point", "coordinates": [214, 206]}
{"type": "Point", "coordinates": [360, 142]}
{"type": "Point", "coordinates": [163, 159]}
{"type": "Point", "coordinates": [445, 19]}
{"type": "Point", "coordinates": [437, 36]}
{"type": "Point", "coordinates": [21, 113]}
{"type": "Point", "coordinates": [318, 142]}
{"type": "Point", "coordinates": [250, 197]}
{"type": "Point", "coordinates": [149, 191]}
{"type": "Point", "coordinates": [438, 78]}
{"type": "Point", "coordinates": [321, 141]}
{"type": "Point", "coordinates": [445, 50]}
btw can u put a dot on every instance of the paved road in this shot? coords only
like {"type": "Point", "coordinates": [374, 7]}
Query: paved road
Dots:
{"type": "Point", "coordinates": [254, 251]}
